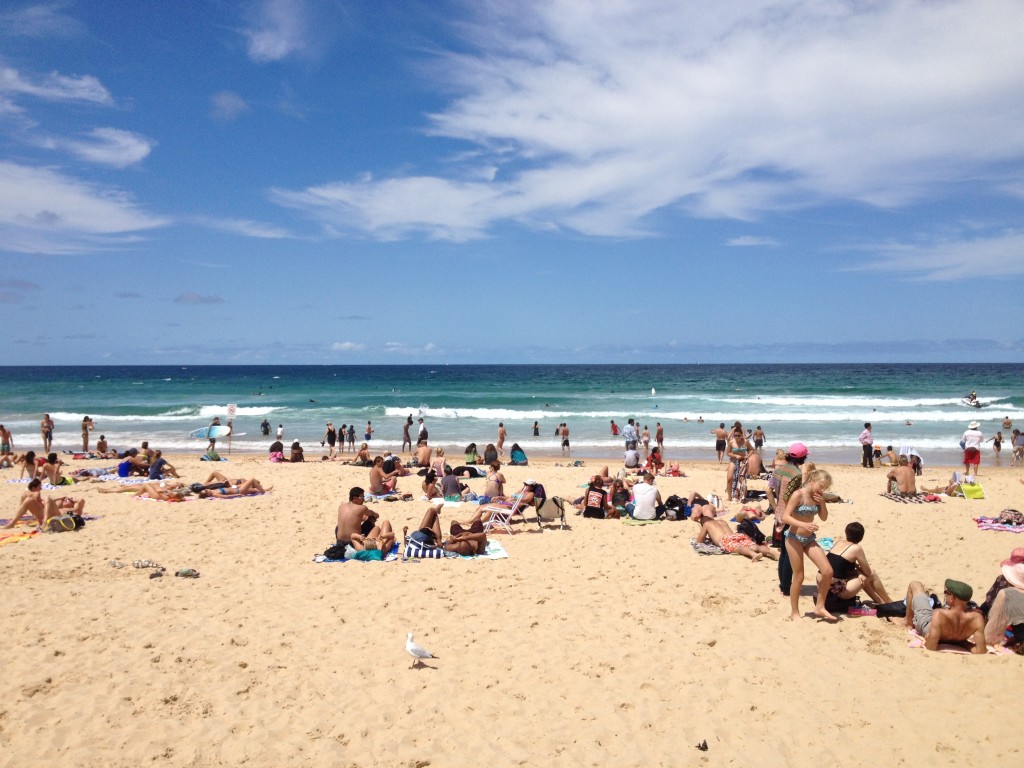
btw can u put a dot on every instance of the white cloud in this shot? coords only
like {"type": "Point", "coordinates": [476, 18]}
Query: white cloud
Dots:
{"type": "Point", "coordinates": [111, 146]}
{"type": "Point", "coordinates": [44, 211]}
{"type": "Point", "coordinates": [989, 256]}
{"type": "Point", "coordinates": [284, 28]}
{"type": "Point", "coordinates": [40, 21]}
{"type": "Point", "coordinates": [227, 106]}
{"type": "Point", "coordinates": [55, 87]}
{"type": "Point", "coordinates": [596, 115]}
{"type": "Point", "coordinates": [347, 346]}
{"type": "Point", "coordinates": [751, 240]}
{"type": "Point", "coordinates": [244, 227]}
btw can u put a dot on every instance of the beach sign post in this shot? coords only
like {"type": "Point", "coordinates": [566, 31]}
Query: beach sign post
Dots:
{"type": "Point", "coordinates": [232, 412]}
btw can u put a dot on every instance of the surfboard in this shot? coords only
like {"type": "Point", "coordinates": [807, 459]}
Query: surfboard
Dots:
{"type": "Point", "coordinates": [208, 432]}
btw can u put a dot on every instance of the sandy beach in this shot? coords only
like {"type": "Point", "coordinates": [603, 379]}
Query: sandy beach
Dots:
{"type": "Point", "coordinates": [603, 644]}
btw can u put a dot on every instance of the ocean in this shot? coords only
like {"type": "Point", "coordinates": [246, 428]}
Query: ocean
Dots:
{"type": "Point", "coordinates": [824, 406]}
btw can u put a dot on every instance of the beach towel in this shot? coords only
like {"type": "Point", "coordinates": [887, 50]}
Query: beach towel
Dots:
{"type": "Point", "coordinates": [494, 551]}
{"type": "Point", "coordinates": [993, 524]}
{"type": "Point", "coordinates": [917, 498]}
{"type": "Point", "coordinates": [627, 520]}
{"type": "Point", "coordinates": [13, 537]}
{"type": "Point", "coordinates": [391, 556]}
{"type": "Point", "coordinates": [917, 641]}
{"type": "Point", "coordinates": [706, 549]}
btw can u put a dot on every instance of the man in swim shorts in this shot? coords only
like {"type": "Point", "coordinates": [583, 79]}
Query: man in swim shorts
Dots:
{"type": "Point", "coordinates": [901, 479]}
{"type": "Point", "coordinates": [719, 533]}
{"type": "Point", "coordinates": [720, 441]}
{"type": "Point", "coordinates": [954, 623]}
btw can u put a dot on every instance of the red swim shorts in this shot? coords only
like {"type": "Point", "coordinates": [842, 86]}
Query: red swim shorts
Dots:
{"type": "Point", "coordinates": [972, 456]}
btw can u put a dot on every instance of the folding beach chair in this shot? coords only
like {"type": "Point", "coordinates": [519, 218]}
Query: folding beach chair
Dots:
{"type": "Point", "coordinates": [500, 516]}
{"type": "Point", "coordinates": [967, 486]}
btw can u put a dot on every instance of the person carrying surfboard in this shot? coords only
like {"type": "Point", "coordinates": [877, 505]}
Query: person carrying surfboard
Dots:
{"type": "Point", "coordinates": [213, 440]}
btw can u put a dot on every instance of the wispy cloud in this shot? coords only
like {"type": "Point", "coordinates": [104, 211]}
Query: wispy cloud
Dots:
{"type": "Point", "coordinates": [279, 29]}
{"type": "Point", "coordinates": [190, 297]}
{"type": "Point", "coordinates": [994, 256]}
{"type": "Point", "coordinates": [244, 227]}
{"type": "Point", "coordinates": [40, 21]}
{"type": "Point", "coordinates": [593, 121]}
{"type": "Point", "coordinates": [227, 106]}
{"type": "Point", "coordinates": [751, 240]}
{"type": "Point", "coordinates": [111, 146]}
{"type": "Point", "coordinates": [45, 211]}
{"type": "Point", "coordinates": [347, 346]}
{"type": "Point", "coordinates": [55, 87]}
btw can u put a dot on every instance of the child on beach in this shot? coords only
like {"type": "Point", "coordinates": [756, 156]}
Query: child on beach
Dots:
{"type": "Point", "coordinates": [804, 505]}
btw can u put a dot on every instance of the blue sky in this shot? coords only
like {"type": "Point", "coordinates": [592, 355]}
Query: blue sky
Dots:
{"type": "Point", "coordinates": [332, 181]}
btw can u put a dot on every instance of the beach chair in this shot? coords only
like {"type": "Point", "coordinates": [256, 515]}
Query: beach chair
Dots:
{"type": "Point", "coordinates": [967, 486]}
{"type": "Point", "coordinates": [500, 515]}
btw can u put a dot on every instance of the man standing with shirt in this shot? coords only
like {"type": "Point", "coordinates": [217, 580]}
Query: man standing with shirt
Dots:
{"type": "Point", "coordinates": [867, 445]}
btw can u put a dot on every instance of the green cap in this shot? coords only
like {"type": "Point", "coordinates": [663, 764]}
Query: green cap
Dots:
{"type": "Point", "coordinates": [959, 589]}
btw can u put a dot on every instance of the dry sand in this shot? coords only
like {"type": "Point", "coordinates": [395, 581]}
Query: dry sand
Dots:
{"type": "Point", "coordinates": [604, 644]}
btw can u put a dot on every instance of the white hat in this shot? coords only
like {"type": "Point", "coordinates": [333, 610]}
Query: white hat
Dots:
{"type": "Point", "coordinates": [973, 425]}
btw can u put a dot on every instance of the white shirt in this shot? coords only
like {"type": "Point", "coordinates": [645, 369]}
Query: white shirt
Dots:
{"type": "Point", "coordinates": [645, 499]}
{"type": "Point", "coordinates": [865, 437]}
{"type": "Point", "coordinates": [973, 439]}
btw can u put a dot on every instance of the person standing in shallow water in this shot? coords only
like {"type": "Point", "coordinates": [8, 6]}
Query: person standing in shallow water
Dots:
{"type": "Point", "coordinates": [501, 438]}
{"type": "Point", "coordinates": [46, 430]}
{"type": "Point", "coordinates": [87, 427]}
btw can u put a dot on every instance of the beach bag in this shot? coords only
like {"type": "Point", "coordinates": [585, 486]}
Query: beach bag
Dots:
{"type": "Point", "coordinates": [63, 523]}
{"type": "Point", "coordinates": [891, 610]}
{"type": "Point", "coordinates": [335, 552]}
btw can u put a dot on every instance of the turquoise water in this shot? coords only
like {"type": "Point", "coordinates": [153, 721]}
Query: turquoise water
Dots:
{"type": "Point", "coordinates": [822, 405]}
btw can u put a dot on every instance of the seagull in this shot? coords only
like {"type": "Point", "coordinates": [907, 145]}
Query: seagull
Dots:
{"type": "Point", "coordinates": [416, 651]}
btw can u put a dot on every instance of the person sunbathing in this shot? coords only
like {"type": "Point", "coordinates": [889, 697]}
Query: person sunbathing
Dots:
{"type": "Point", "coordinates": [900, 480]}
{"type": "Point", "coordinates": [851, 573]}
{"type": "Point", "coordinates": [32, 503]}
{"type": "Point", "coordinates": [467, 538]}
{"type": "Point", "coordinates": [495, 488]}
{"type": "Point", "coordinates": [159, 490]}
{"type": "Point", "coordinates": [50, 471]}
{"type": "Point", "coordinates": [360, 527]}
{"type": "Point", "coordinates": [430, 489]}
{"type": "Point", "coordinates": [953, 623]}
{"type": "Point", "coordinates": [719, 533]}
{"type": "Point", "coordinates": [250, 487]}
{"type": "Point", "coordinates": [382, 482]}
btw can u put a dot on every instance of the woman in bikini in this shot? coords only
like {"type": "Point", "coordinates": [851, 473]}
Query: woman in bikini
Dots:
{"type": "Point", "coordinates": [738, 449]}
{"type": "Point", "coordinates": [250, 487]}
{"type": "Point", "coordinates": [495, 488]}
{"type": "Point", "coordinates": [804, 505]}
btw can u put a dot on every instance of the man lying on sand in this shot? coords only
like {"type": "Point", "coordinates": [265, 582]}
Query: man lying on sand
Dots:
{"type": "Point", "coordinates": [954, 623]}
{"type": "Point", "coordinates": [719, 533]}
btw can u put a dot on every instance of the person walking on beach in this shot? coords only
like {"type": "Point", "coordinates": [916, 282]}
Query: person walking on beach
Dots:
{"type": "Point", "coordinates": [615, 429]}
{"type": "Point", "coordinates": [565, 440]}
{"type": "Point", "coordinates": [645, 441]}
{"type": "Point", "coordinates": [352, 437]}
{"type": "Point", "coordinates": [6, 442]}
{"type": "Point", "coordinates": [758, 438]}
{"type": "Point", "coordinates": [720, 439]}
{"type": "Point", "coordinates": [406, 437]}
{"type": "Point", "coordinates": [659, 437]}
{"type": "Point", "coordinates": [786, 480]}
{"type": "Point", "coordinates": [972, 442]}
{"type": "Point", "coordinates": [501, 438]}
{"type": "Point", "coordinates": [331, 437]}
{"type": "Point", "coordinates": [46, 429]}
{"type": "Point", "coordinates": [867, 446]}
{"type": "Point", "coordinates": [209, 434]}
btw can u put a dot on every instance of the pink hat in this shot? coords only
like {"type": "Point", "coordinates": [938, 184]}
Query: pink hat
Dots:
{"type": "Point", "coordinates": [1013, 569]}
{"type": "Point", "coordinates": [797, 450]}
